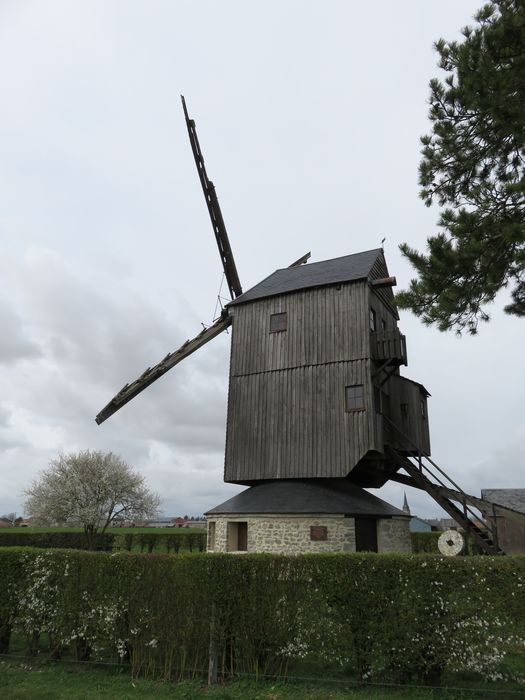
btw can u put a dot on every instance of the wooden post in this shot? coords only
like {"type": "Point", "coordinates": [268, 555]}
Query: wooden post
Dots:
{"type": "Point", "coordinates": [212, 652]}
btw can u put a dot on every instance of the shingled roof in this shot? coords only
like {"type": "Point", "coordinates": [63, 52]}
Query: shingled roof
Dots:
{"type": "Point", "coordinates": [310, 496]}
{"type": "Point", "coordinates": [511, 498]}
{"type": "Point", "coordinates": [349, 268]}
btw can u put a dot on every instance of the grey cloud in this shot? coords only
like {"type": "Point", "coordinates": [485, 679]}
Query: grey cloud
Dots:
{"type": "Point", "coordinates": [14, 343]}
{"type": "Point", "coordinates": [111, 262]}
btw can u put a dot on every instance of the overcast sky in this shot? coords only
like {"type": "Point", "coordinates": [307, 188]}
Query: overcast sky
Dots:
{"type": "Point", "coordinates": [309, 116]}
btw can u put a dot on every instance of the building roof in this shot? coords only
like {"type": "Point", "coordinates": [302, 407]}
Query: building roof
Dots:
{"type": "Point", "coordinates": [308, 496]}
{"type": "Point", "coordinates": [349, 268]}
{"type": "Point", "coordinates": [509, 498]}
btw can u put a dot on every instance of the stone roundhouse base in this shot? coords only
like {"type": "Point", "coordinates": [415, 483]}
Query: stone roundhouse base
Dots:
{"type": "Point", "coordinates": [299, 534]}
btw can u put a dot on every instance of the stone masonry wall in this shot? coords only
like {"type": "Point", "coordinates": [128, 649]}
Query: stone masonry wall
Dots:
{"type": "Point", "coordinates": [291, 534]}
{"type": "Point", "coordinates": [287, 534]}
{"type": "Point", "coordinates": [393, 535]}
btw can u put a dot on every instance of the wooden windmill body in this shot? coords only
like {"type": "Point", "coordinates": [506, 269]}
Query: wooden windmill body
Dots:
{"type": "Point", "coordinates": [314, 364]}
{"type": "Point", "coordinates": [317, 407]}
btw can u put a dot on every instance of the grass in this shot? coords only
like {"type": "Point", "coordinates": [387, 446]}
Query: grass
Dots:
{"type": "Point", "coordinates": [44, 682]}
{"type": "Point", "coordinates": [37, 678]}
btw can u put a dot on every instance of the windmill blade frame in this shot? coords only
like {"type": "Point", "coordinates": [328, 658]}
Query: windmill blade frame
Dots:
{"type": "Point", "coordinates": [217, 222]}
{"type": "Point", "coordinates": [129, 391]}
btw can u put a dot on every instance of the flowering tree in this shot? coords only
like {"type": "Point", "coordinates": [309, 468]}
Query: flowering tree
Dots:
{"type": "Point", "coordinates": [91, 489]}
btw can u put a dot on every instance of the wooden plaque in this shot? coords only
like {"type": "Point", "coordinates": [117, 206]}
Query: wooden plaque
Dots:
{"type": "Point", "coordinates": [318, 533]}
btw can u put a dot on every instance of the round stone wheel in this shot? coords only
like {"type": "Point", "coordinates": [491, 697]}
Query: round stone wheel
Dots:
{"type": "Point", "coordinates": [451, 543]}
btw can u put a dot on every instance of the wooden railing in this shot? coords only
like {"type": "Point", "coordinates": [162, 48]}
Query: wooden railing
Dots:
{"type": "Point", "coordinates": [389, 345]}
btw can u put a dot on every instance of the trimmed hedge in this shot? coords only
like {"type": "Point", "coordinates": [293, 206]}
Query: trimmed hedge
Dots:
{"type": "Point", "coordinates": [108, 541]}
{"type": "Point", "coordinates": [427, 542]}
{"type": "Point", "coordinates": [59, 539]}
{"type": "Point", "coordinates": [162, 541]}
{"type": "Point", "coordinates": [407, 616]}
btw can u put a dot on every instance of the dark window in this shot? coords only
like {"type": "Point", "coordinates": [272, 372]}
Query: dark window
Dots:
{"type": "Point", "coordinates": [404, 411]}
{"type": "Point", "coordinates": [383, 324]}
{"type": "Point", "coordinates": [423, 406]}
{"type": "Point", "coordinates": [372, 320]}
{"type": "Point", "coordinates": [278, 322]}
{"type": "Point", "coordinates": [318, 533]}
{"type": "Point", "coordinates": [377, 399]}
{"type": "Point", "coordinates": [385, 404]}
{"type": "Point", "coordinates": [355, 397]}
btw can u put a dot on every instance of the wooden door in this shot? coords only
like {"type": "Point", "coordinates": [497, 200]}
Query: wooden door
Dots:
{"type": "Point", "coordinates": [365, 535]}
{"type": "Point", "coordinates": [242, 537]}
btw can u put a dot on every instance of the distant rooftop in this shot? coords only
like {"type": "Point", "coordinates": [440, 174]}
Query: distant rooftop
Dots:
{"type": "Point", "coordinates": [349, 268]}
{"type": "Point", "coordinates": [509, 498]}
{"type": "Point", "coordinates": [309, 496]}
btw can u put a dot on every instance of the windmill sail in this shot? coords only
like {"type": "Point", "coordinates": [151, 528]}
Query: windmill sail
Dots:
{"type": "Point", "coordinates": [129, 391]}
{"type": "Point", "coordinates": [219, 229]}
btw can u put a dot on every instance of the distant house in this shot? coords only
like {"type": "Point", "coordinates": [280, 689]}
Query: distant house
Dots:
{"type": "Point", "coordinates": [188, 522]}
{"type": "Point", "coordinates": [510, 523]}
{"type": "Point", "coordinates": [179, 522]}
{"type": "Point", "coordinates": [4, 522]}
{"type": "Point", "coordinates": [159, 522]}
{"type": "Point", "coordinates": [416, 524]}
{"type": "Point", "coordinates": [199, 524]}
{"type": "Point", "coordinates": [442, 524]}
{"type": "Point", "coordinates": [419, 525]}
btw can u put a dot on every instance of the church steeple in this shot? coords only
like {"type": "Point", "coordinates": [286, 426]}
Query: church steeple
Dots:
{"type": "Point", "coordinates": [406, 508]}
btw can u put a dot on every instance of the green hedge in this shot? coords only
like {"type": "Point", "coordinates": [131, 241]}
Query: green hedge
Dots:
{"type": "Point", "coordinates": [59, 539]}
{"type": "Point", "coordinates": [174, 541]}
{"type": "Point", "coordinates": [407, 616]}
{"type": "Point", "coordinates": [427, 542]}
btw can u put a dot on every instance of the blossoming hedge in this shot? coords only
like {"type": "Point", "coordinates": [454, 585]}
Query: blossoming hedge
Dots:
{"type": "Point", "coordinates": [402, 615]}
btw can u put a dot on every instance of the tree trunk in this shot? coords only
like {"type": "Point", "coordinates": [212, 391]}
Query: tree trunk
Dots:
{"type": "Point", "coordinates": [90, 532]}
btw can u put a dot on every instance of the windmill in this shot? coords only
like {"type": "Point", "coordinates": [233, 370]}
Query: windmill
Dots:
{"type": "Point", "coordinates": [317, 407]}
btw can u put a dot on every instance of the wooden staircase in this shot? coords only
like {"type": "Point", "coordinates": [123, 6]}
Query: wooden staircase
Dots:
{"type": "Point", "coordinates": [483, 531]}
{"type": "Point", "coordinates": [423, 473]}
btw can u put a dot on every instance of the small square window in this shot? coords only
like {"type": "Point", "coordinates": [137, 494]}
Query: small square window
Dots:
{"type": "Point", "coordinates": [355, 397]}
{"type": "Point", "coordinates": [278, 322]}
